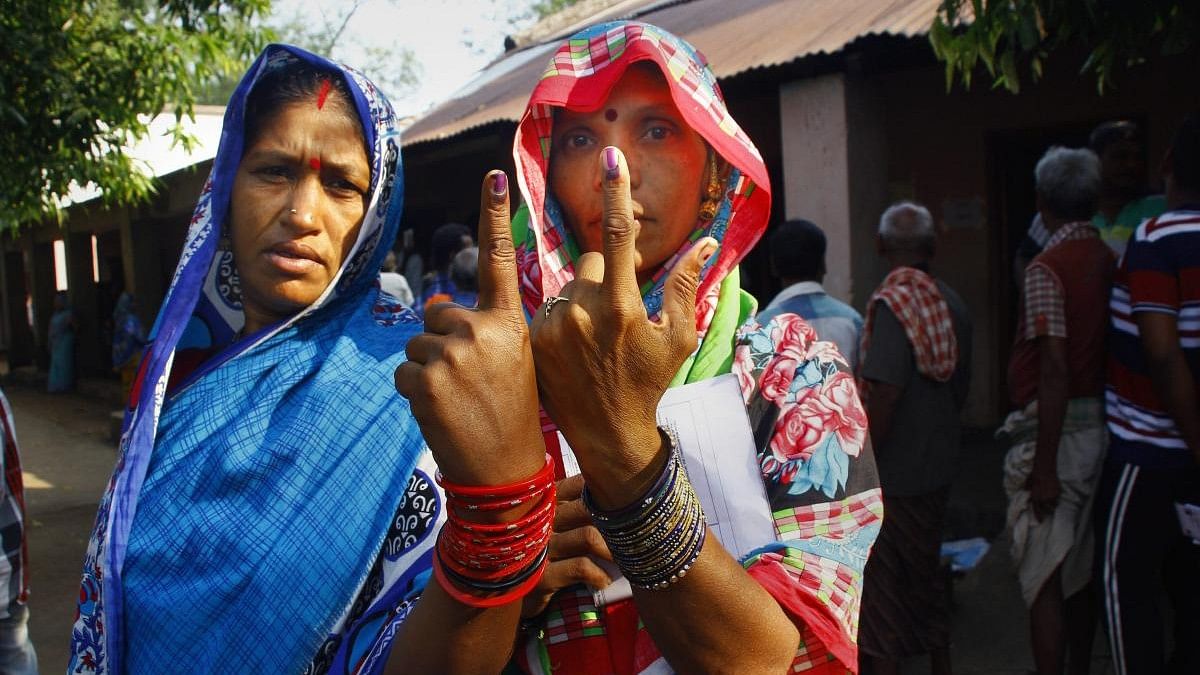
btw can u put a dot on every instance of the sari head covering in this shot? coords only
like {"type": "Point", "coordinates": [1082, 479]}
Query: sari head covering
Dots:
{"type": "Point", "coordinates": [250, 500]}
{"type": "Point", "coordinates": [809, 426]}
{"type": "Point", "coordinates": [580, 76]}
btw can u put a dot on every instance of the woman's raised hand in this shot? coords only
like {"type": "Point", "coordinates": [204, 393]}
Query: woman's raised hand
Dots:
{"type": "Point", "coordinates": [470, 377]}
{"type": "Point", "coordinates": [602, 364]}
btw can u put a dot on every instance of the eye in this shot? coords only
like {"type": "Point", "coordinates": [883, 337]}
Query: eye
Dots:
{"type": "Point", "coordinates": [576, 140]}
{"type": "Point", "coordinates": [274, 171]}
{"type": "Point", "coordinates": [659, 132]}
{"type": "Point", "coordinates": [344, 187]}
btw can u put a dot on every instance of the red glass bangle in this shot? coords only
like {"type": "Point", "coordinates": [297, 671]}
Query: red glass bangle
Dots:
{"type": "Point", "coordinates": [499, 492]}
{"type": "Point", "coordinates": [491, 543]}
{"type": "Point", "coordinates": [515, 593]}
{"type": "Point", "coordinates": [479, 563]}
{"type": "Point", "coordinates": [497, 529]}
{"type": "Point", "coordinates": [476, 562]}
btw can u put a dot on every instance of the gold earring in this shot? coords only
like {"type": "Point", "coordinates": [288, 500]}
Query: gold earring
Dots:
{"type": "Point", "coordinates": [712, 191]}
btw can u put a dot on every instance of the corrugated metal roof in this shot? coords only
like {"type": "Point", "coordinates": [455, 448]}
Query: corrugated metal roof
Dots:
{"type": "Point", "coordinates": [736, 36]}
{"type": "Point", "coordinates": [158, 155]}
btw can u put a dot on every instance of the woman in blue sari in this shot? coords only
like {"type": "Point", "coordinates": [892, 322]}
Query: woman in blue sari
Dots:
{"type": "Point", "coordinates": [62, 346]}
{"type": "Point", "coordinates": [272, 508]}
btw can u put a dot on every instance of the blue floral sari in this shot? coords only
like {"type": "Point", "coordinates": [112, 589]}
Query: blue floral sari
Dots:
{"type": "Point", "coordinates": [254, 504]}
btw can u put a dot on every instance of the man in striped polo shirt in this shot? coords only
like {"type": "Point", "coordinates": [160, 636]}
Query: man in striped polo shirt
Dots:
{"type": "Point", "coordinates": [1153, 411]}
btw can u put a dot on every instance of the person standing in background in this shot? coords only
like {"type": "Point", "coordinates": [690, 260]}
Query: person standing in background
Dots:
{"type": "Point", "coordinates": [412, 265]}
{"type": "Point", "coordinates": [448, 240]}
{"type": "Point", "coordinates": [129, 337]}
{"type": "Point", "coordinates": [394, 283]}
{"type": "Point", "coordinates": [797, 253]}
{"type": "Point", "coordinates": [1153, 408]}
{"type": "Point", "coordinates": [915, 371]}
{"type": "Point", "coordinates": [464, 272]}
{"type": "Point", "coordinates": [1056, 380]}
{"type": "Point", "coordinates": [62, 346]}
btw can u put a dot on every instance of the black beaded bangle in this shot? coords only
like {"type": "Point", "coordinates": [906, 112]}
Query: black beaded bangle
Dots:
{"type": "Point", "coordinates": [656, 539]}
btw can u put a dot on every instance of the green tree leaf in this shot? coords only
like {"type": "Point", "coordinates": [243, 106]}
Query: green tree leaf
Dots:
{"type": "Point", "coordinates": [81, 80]}
{"type": "Point", "coordinates": [1013, 38]}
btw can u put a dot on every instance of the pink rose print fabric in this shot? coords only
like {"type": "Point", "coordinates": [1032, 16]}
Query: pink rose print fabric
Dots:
{"type": "Point", "coordinates": [811, 431]}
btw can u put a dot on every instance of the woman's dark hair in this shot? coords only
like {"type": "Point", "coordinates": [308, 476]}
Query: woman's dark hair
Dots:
{"type": "Point", "coordinates": [295, 82]}
{"type": "Point", "coordinates": [1185, 153]}
{"type": "Point", "coordinates": [1109, 133]}
{"type": "Point", "coordinates": [447, 241]}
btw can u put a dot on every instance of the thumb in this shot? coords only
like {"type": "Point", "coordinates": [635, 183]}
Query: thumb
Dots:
{"type": "Point", "coordinates": [679, 294]}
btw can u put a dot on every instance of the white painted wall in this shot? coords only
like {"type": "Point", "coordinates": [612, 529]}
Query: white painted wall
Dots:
{"type": "Point", "coordinates": [816, 180]}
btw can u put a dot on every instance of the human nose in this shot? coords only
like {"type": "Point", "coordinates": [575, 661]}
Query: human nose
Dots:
{"type": "Point", "coordinates": [305, 203]}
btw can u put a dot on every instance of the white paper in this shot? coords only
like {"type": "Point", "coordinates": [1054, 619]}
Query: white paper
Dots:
{"type": "Point", "coordinates": [1189, 520]}
{"type": "Point", "coordinates": [709, 418]}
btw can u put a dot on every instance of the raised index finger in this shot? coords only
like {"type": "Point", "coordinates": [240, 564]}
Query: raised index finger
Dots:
{"type": "Point", "coordinates": [497, 259]}
{"type": "Point", "coordinates": [620, 230]}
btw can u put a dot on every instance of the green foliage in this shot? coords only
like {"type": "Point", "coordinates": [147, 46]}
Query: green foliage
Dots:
{"type": "Point", "coordinates": [81, 80]}
{"type": "Point", "coordinates": [1011, 36]}
{"type": "Point", "coordinates": [544, 8]}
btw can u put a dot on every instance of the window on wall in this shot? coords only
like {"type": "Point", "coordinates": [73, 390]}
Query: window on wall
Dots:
{"type": "Point", "coordinates": [60, 265]}
{"type": "Point", "coordinates": [95, 261]}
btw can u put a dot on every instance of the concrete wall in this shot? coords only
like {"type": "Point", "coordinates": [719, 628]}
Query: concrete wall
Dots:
{"type": "Point", "coordinates": [835, 171]}
{"type": "Point", "coordinates": [816, 167]}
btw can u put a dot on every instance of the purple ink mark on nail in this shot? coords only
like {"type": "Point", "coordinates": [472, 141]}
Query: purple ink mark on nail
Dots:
{"type": "Point", "coordinates": [499, 184]}
{"type": "Point", "coordinates": [611, 166]}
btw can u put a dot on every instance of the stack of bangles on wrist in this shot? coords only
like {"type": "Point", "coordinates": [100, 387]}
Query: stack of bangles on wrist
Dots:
{"type": "Point", "coordinates": [492, 564]}
{"type": "Point", "coordinates": [656, 539]}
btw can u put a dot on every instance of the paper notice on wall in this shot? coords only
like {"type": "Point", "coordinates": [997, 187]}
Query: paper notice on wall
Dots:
{"type": "Point", "coordinates": [709, 418]}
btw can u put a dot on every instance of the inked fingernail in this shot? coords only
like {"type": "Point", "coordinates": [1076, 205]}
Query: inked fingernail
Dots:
{"type": "Point", "coordinates": [707, 249]}
{"type": "Point", "coordinates": [500, 184]}
{"type": "Point", "coordinates": [612, 168]}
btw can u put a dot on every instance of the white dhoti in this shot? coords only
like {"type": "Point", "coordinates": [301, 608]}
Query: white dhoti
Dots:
{"type": "Point", "coordinates": [1065, 537]}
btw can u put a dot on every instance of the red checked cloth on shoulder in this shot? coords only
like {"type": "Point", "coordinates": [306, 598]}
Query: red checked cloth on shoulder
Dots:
{"type": "Point", "coordinates": [914, 297]}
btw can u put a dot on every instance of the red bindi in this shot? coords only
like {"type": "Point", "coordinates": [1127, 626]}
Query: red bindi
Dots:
{"type": "Point", "coordinates": [610, 115]}
{"type": "Point", "coordinates": [315, 164]}
{"type": "Point", "coordinates": [323, 94]}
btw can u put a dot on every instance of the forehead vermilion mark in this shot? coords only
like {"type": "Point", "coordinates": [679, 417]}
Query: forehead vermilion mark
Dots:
{"type": "Point", "coordinates": [323, 94]}
{"type": "Point", "coordinates": [610, 115]}
{"type": "Point", "coordinates": [315, 163]}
